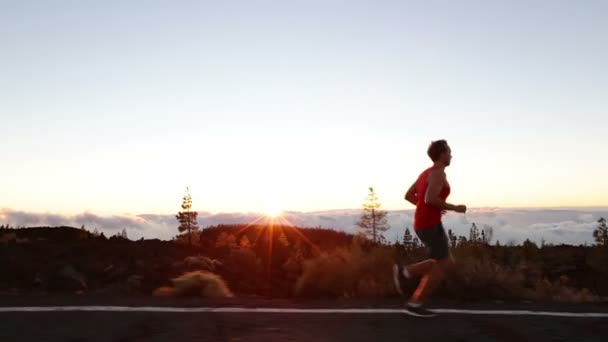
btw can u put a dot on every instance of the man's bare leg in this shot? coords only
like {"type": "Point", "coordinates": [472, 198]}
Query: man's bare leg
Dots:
{"type": "Point", "coordinates": [430, 281]}
{"type": "Point", "coordinates": [419, 269]}
{"type": "Point", "coordinates": [410, 271]}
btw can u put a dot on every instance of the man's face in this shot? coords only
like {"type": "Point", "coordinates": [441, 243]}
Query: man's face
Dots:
{"type": "Point", "coordinates": [446, 156]}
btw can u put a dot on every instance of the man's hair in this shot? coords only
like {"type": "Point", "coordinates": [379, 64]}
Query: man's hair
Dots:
{"type": "Point", "coordinates": [436, 149]}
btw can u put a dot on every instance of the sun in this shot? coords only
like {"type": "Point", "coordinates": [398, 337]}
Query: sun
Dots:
{"type": "Point", "coordinates": [273, 212]}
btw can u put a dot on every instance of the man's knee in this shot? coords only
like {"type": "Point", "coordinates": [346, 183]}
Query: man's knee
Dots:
{"type": "Point", "coordinates": [443, 264]}
{"type": "Point", "coordinates": [432, 263]}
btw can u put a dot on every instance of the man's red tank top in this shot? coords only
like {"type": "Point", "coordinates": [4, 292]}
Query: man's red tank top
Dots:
{"type": "Point", "coordinates": [427, 216]}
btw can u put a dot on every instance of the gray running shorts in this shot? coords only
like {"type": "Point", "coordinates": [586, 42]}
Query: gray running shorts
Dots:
{"type": "Point", "coordinates": [435, 240]}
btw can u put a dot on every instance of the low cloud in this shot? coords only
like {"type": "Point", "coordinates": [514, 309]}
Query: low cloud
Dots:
{"type": "Point", "coordinates": [568, 226]}
{"type": "Point", "coordinates": [136, 226]}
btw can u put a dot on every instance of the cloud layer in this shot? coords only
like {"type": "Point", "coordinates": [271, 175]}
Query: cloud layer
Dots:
{"type": "Point", "coordinates": [569, 226]}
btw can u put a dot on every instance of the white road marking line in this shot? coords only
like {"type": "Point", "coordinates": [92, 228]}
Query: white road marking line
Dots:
{"type": "Point", "coordinates": [291, 310]}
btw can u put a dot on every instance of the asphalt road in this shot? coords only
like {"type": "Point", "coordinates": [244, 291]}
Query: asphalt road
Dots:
{"type": "Point", "coordinates": [251, 320]}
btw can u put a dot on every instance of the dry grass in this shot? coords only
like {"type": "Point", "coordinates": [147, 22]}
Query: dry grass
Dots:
{"type": "Point", "coordinates": [348, 272]}
{"type": "Point", "coordinates": [476, 277]}
{"type": "Point", "coordinates": [8, 237]}
{"type": "Point", "coordinates": [360, 272]}
{"type": "Point", "coordinates": [473, 279]}
{"type": "Point", "coordinates": [558, 291]}
{"type": "Point", "coordinates": [134, 283]}
{"type": "Point", "coordinates": [165, 291]}
{"type": "Point", "coordinates": [201, 263]}
{"type": "Point", "coordinates": [196, 284]}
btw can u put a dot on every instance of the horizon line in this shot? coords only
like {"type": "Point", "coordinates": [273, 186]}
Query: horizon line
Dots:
{"type": "Point", "coordinates": [209, 213]}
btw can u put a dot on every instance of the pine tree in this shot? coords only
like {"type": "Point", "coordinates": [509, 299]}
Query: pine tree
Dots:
{"type": "Point", "coordinates": [408, 243]}
{"type": "Point", "coordinates": [462, 240]}
{"type": "Point", "coordinates": [453, 238]}
{"type": "Point", "coordinates": [397, 244]}
{"type": "Point", "coordinates": [225, 240]}
{"type": "Point", "coordinates": [486, 234]}
{"type": "Point", "coordinates": [244, 243]}
{"type": "Point", "coordinates": [83, 234]}
{"type": "Point", "coordinates": [187, 217]}
{"type": "Point", "coordinates": [474, 234]}
{"type": "Point", "coordinates": [600, 234]}
{"type": "Point", "coordinates": [415, 243]}
{"type": "Point", "coordinates": [123, 234]}
{"type": "Point", "coordinates": [530, 250]}
{"type": "Point", "coordinates": [373, 221]}
{"type": "Point", "coordinates": [283, 240]}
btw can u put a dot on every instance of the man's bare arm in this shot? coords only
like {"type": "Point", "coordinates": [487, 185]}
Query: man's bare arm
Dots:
{"type": "Point", "coordinates": [436, 180]}
{"type": "Point", "coordinates": [410, 195]}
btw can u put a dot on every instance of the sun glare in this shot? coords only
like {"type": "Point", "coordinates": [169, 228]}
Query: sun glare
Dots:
{"type": "Point", "coordinates": [273, 212]}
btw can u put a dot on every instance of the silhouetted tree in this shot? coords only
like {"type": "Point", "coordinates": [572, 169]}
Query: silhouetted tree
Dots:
{"type": "Point", "coordinates": [373, 220]}
{"type": "Point", "coordinates": [244, 243]}
{"type": "Point", "coordinates": [453, 238]}
{"type": "Point", "coordinates": [225, 240]}
{"type": "Point", "coordinates": [598, 258]}
{"type": "Point", "coordinates": [83, 235]}
{"type": "Point", "coordinates": [283, 240]}
{"type": "Point", "coordinates": [529, 244]}
{"type": "Point", "coordinates": [530, 250]}
{"type": "Point", "coordinates": [462, 240]}
{"type": "Point", "coordinates": [474, 234]}
{"type": "Point", "coordinates": [398, 244]}
{"type": "Point", "coordinates": [187, 217]}
{"type": "Point", "coordinates": [486, 234]}
{"type": "Point", "coordinates": [600, 234]}
{"type": "Point", "coordinates": [415, 243]}
{"type": "Point", "coordinates": [408, 241]}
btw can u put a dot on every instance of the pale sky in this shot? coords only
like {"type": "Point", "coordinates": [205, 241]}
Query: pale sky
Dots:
{"type": "Point", "coordinates": [116, 106]}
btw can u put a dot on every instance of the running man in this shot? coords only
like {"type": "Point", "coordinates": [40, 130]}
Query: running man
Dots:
{"type": "Point", "coordinates": [429, 194]}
